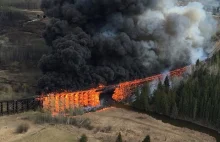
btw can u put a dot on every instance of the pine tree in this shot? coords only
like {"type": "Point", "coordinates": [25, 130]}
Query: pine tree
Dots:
{"type": "Point", "coordinates": [165, 104]}
{"type": "Point", "coordinates": [158, 97]}
{"type": "Point", "coordinates": [167, 84]}
{"type": "Point", "coordinates": [157, 101]}
{"type": "Point", "coordinates": [83, 138]}
{"type": "Point", "coordinates": [174, 113]}
{"type": "Point", "coordinates": [146, 139]}
{"type": "Point", "coordinates": [145, 97]}
{"type": "Point", "coordinates": [119, 138]}
{"type": "Point", "coordinates": [142, 99]}
{"type": "Point", "coordinates": [195, 109]}
{"type": "Point", "coordinates": [160, 86]}
{"type": "Point", "coordinates": [197, 62]}
{"type": "Point", "coordinates": [136, 103]}
{"type": "Point", "coordinates": [218, 119]}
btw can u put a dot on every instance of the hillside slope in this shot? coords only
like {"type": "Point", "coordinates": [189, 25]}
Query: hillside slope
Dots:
{"type": "Point", "coordinates": [21, 47]}
{"type": "Point", "coordinates": [107, 124]}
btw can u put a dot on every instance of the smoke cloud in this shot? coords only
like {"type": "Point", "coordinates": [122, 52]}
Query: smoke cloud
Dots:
{"type": "Point", "coordinates": [109, 41]}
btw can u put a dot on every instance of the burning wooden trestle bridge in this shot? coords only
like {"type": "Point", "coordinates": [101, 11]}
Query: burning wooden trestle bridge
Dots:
{"type": "Point", "coordinates": [59, 102]}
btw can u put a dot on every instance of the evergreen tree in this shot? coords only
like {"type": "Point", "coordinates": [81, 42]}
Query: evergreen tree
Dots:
{"type": "Point", "coordinates": [142, 99]}
{"type": "Point", "coordinates": [158, 97]}
{"type": "Point", "coordinates": [160, 86]}
{"type": "Point", "coordinates": [197, 62]}
{"type": "Point", "coordinates": [165, 103]}
{"type": "Point", "coordinates": [146, 139]}
{"type": "Point", "coordinates": [145, 97]}
{"type": "Point", "coordinates": [119, 138]}
{"type": "Point", "coordinates": [161, 102]}
{"type": "Point", "coordinates": [157, 101]}
{"type": "Point", "coordinates": [167, 84]}
{"type": "Point", "coordinates": [174, 113]}
{"type": "Point", "coordinates": [195, 109]}
{"type": "Point", "coordinates": [218, 119]}
{"type": "Point", "coordinates": [83, 138]}
{"type": "Point", "coordinates": [136, 103]}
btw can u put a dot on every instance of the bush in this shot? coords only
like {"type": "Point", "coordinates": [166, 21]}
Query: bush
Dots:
{"type": "Point", "coordinates": [119, 138]}
{"type": "Point", "coordinates": [22, 128]}
{"type": "Point", "coordinates": [147, 139]}
{"type": "Point", "coordinates": [83, 138]}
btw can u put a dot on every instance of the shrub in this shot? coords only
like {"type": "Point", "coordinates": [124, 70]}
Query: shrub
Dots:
{"type": "Point", "coordinates": [83, 138]}
{"type": "Point", "coordinates": [146, 139]}
{"type": "Point", "coordinates": [119, 138]}
{"type": "Point", "coordinates": [22, 128]}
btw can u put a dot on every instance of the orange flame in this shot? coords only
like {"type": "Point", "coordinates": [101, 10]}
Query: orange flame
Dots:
{"type": "Point", "coordinates": [59, 102]}
{"type": "Point", "coordinates": [124, 89]}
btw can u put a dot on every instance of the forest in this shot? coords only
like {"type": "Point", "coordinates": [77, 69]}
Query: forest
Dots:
{"type": "Point", "coordinates": [196, 98]}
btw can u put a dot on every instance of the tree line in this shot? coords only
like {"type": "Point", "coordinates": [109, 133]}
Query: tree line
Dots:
{"type": "Point", "coordinates": [196, 98]}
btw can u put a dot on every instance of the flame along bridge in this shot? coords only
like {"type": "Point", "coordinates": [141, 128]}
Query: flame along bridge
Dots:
{"type": "Point", "coordinates": [60, 102]}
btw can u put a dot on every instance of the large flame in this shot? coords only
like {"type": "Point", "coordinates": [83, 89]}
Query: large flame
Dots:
{"type": "Point", "coordinates": [125, 89]}
{"type": "Point", "coordinates": [59, 102]}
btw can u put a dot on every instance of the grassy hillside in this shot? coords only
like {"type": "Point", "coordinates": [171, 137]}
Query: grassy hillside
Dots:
{"type": "Point", "coordinates": [22, 4]}
{"type": "Point", "coordinates": [21, 46]}
{"type": "Point", "coordinates": [106, 124]}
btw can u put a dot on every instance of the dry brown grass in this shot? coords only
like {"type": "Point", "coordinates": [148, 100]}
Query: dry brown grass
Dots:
{"type": "Point", "coordinates": [135, 126]}
{"type": "Point", "coordinates": [107, 124]}
{"type": "Point", "coordinates": [49, 134]}
{"type": "Point", "coordinates": [47, 118]}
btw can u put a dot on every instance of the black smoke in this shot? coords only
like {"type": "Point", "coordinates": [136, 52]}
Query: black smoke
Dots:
{"type": "Point", "coordinates": [102, 41]}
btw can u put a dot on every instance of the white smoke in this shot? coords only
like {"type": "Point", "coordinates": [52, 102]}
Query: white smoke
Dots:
{"type": "Point", "coordinates": [179, 30]}
{"type": "Point", "coordinates": [210, 2]}
{"type": "Point", "coordinates": [207, 3]}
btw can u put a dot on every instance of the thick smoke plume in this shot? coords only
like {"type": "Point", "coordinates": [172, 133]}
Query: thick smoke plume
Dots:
{"type": "Point", "coordinates": [109, 41]}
